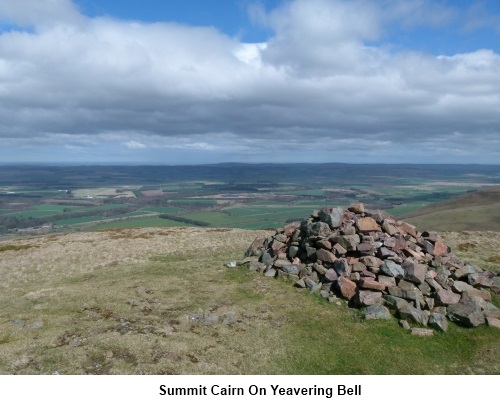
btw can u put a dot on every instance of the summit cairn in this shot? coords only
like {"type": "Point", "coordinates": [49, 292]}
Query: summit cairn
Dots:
{"type": "Point", "coordinates": [384, 265]}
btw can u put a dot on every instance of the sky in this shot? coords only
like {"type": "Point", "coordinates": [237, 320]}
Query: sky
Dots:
{"type": "Point", "coordinates": [283, 81]}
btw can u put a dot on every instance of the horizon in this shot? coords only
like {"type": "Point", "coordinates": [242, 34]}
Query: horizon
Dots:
{"type": "Point", "coordinates": [86, 82]}
{"type": "Point", "coordinates": [136, 164]}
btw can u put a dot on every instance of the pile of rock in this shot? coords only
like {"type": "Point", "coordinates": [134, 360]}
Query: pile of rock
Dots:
{"type": "Point", "coordinates": [374, 261]}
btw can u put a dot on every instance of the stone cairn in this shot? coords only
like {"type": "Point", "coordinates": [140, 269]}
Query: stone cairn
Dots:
{"type": "Point", "coordinates": [384, 265]}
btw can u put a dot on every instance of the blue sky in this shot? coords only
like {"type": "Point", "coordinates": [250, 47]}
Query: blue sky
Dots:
{"type": "Point", "coordinates": [230, 16]}
{"type": "Point", "coordinates": [172, 82]}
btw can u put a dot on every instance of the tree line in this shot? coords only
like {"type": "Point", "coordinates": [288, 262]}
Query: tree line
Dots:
{"type": "Point", "coordinates": [184, 220]}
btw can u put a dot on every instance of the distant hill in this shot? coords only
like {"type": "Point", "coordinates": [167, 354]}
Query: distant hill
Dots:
{"type": "Point", "coordinates": [473, 211]}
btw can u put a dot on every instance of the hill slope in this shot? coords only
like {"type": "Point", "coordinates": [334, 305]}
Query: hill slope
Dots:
{"type": "Point", "coordinates": [474, 211]}
{"type": "Point", "coordinates": [160, 301]}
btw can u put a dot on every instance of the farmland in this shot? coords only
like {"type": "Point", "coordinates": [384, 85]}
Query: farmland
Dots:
{"type": "Point", "coordinates": [64, 199]}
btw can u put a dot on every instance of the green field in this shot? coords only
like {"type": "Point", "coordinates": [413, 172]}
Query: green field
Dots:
{"type": "Point", "coordinates": [46, 210]}
{"type": "Point", "coordinates": [160, 210]}
{"type": "Point", "coordinates": [194, 201]}
{"type": "Point", "coordinates": [148, 222]}
{"type": "Point", "coordinates": [267, 201]}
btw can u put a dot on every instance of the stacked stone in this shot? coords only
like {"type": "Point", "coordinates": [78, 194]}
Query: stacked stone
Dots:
{"type": "Point", "coordinates": [374, 261]}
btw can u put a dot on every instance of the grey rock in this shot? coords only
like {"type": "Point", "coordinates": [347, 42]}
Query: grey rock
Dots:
{"type": "Point", "coordinates": [414, 272]}
{"type": "Point", "coordinates": [342, 268]}
{"type": "Point", "coordinates": [281, 262]}
{"type": "Point", "coordinates": [371, 261]}
{"type": "Point", "coordinates": [257, 266]}
{"type": "Point", "coordinates": [311, 252]}
{"type": "Point", "coordinates": [203, 319]}
{"type": "Point", "coordinates": [491, 310]}
{"type": "Point", "coordinates": [324, 294]}
{"type": "Point", "coordinates": [268, 257]}
{"type": "Point", "coordinates": [256, 247]}
{"type": "Point", "coordinates": [475, 292]}
{"type": "Point", "coordinates": [365, 248]}
{"type": "Point", "coordinates": [292, 251]}
{"type": "Point", "coordinates": [349, 229]}
{"type": "Point", "coordinates": [428, 247]}
{"type": "Point", "coordinates": [460, 287]}
{"type": "Point", "coordinates": [292, 269]}
{"type": "Point", "coordinates": [392, 269]}
{"type": "Point", "coordinates": [386, 280]}
{"type": "Point", "coordinates": [277, 247]}
{"type": "Point", "coordinates": [270, 273]}
{"type": "Point", "coordinates": [339, 249]}
{"type": "Point", "coordinates": [348, 242]}
{"type": "Point", "coordinates": [300, 283]}
{"type": "Point", "coordinates": [440, 310]}
{"type": "Point", "coordinates": [404, 324]}
{"type": "Point", "coordinates": [429, 303]}
{"type": "Point", "coordinates": [446, 297]}
{"type": "Point", "coordinates": [384, 253]}
{"type": "Point", "coordinates": [321, 270]}
{"type": "Point", "coordinates": [433, 284]}
{"type": "Point", "coordinates": [376, 311]}
{"type": "Point", "coordinates": [358, 267]}
{"type": "Point", "coordinates": [465, 271]}
{"type": "Point", "coordinates": [389, 228]}
{"type": "Point", "coordinates": [480, 280]}
{"type": "Point", "coordinates": [413, 314]}
{"type": "Point", "coordinates": [35, 325]}
{"type": "Point", "coordinates": [395, 302]}
{"type": "Point", "coordinates": [331, 275]}
{"type": "Point", "coordinates": [438, 322]}
{"type": "Point", "coordinates": [357, 208]}
{"type": "Point", "coordinates": [367, 297]}
{"type": "Point", "coordinates": [424, 288]}
{"type": "Point", "coordinates": [75, 342]}
{"type": "Point", "coordinates": [493, 322]}
{"type": "Point", "coordinates": [466, 313]}
{"type": "Point", "coordinates": [422, 332]}
{"type": "Point", "coordinates": [315, 287]}
{"type": "Point", "coordinates": [333, 217]}
{"type": "Point", "coordinates": [249, 259]}
{"type": "Point", "coordinates": [325, 256]}
{"type": "Point", "coordinates": [319, 229]}
{"type": "Point", "coordinates": [229, 319]}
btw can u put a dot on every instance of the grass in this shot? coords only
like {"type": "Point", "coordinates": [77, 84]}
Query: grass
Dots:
{"type": "Point", "coordinates": [474, 218]}
{"type": "Point", "coordinates": [118, 302]}
{"type": "Point", "coordinates": [480, 248]}
{"type": "Point", "coordinates": [15, 248]}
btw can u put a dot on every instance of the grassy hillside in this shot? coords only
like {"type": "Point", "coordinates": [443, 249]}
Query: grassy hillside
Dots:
{"type": "Point", "coordinates": [160, 301]}
{"type": "Point", "coordinates": [474, 211]}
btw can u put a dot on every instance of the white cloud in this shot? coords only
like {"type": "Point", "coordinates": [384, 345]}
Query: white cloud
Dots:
{"type": "Point", "coordinates": [316, 87]}
{"type": "Point", "coordinates": [40, 12]}
{"type": "Point", "coordinates": [135, 145]}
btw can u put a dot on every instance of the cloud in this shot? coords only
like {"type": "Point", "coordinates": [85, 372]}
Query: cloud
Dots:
{"type": "Point", "coordinates": [135, 145]}
{"type": "Point", "coordinates": [39, 12]}
{"type": "Point", "coordinates": [324, 87]}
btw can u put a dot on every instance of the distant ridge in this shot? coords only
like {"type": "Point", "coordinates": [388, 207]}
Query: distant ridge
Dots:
{"type": "Point", "coordinates": [477, 210]}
